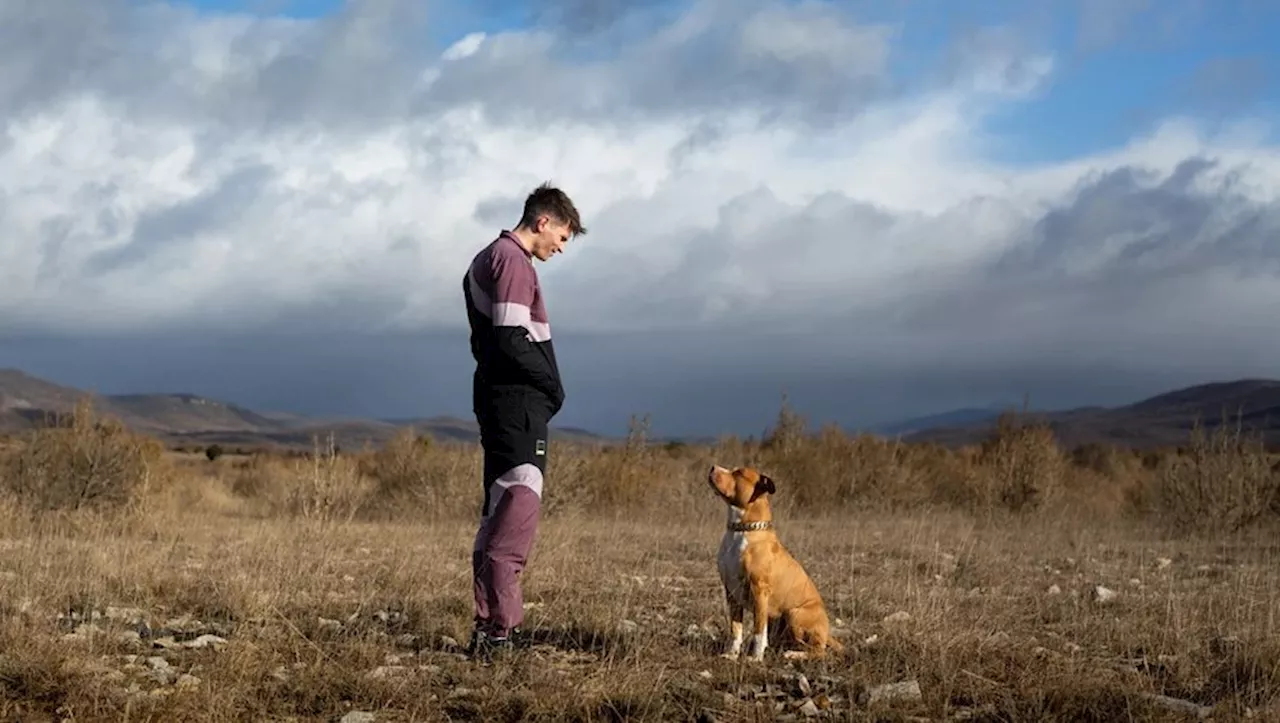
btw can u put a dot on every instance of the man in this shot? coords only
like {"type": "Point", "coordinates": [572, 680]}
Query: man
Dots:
{"type": "Point", "coordinates": [516, 390]}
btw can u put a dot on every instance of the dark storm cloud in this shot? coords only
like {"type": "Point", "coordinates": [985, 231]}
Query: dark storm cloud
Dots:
{"type": "Point", "coordinates": [805, 61]}
{"type": "Point", "coordinates": [363, 65]}
{"type": "Point", "coordinates": [587, 16]}
{"type": "Point", "coordinates": [49, 48]}
{"type": "Point", "coordinates": [357, 66]}
{"type": "Point", "coordinates": [172, 225]}
{"type": "Point", "coordinates": [1082, 312]}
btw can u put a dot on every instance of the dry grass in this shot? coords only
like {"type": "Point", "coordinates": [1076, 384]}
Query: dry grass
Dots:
{"type": "Point", "coordinates": [341, 583]}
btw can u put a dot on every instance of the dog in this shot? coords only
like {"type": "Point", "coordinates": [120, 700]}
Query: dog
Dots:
{"type": "Point", "coordinates": [758, 572]}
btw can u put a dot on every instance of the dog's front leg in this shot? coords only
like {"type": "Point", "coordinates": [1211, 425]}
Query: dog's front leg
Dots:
{"type": "Point", "coordinates": [760, 612]}
{"type": "Point", "coordinates": [737, 613]}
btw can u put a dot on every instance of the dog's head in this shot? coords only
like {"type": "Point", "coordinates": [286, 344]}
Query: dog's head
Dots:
{"type": "Point", "coordinates": [740, 486]}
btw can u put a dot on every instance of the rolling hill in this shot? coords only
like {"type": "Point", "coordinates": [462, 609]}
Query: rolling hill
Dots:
{"type": "Point", "coordinates": [187, 419]}
{"type": "Point", "coordinates": [1162, 420]}
{"type": "Point", "coordinates": [955, 417]}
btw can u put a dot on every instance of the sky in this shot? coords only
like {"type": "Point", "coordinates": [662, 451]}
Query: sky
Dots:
{"type": "Point", "coordinates": [880, 210]}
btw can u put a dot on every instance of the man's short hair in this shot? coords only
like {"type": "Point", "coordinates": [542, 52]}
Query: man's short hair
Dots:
{"type": "Point", "coordinates": [547, 200]}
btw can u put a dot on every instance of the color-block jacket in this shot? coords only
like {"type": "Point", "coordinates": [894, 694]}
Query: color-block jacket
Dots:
{"type": "Point", "coordinates": [510, 334]}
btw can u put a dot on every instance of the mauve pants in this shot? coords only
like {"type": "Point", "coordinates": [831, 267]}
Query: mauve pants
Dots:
{"type": "Point", "coordinates": [501, 550]}
{"type": "Point", "coordinates": [515, 443]}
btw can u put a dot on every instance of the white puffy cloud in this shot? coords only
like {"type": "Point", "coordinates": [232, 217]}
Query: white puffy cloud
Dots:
{"type": "Point", "coordinates": [746, 167]}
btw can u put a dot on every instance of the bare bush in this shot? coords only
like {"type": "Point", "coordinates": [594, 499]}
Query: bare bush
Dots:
{"type": "Point", "coordinates": [1019, 468]}
{"type": "Point", "coordinates": [1224, 483]}
{"type": "Point", "coordinates": [323, 486]}
{"type": "Point", "coordinates": [81, 461]}
{"type": "Point", "coordinates": [414, 475]}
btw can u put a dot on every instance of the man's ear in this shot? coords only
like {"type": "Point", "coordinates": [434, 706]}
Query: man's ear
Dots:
{"type": "Point", "coordinates": [764, 485]}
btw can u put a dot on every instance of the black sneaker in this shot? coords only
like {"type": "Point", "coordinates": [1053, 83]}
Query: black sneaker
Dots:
{"type": "Point", "coordinates": [487, 647]}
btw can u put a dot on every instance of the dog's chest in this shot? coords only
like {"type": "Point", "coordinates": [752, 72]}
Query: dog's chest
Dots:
{"type": "Point", "coordinates": [729, 561]}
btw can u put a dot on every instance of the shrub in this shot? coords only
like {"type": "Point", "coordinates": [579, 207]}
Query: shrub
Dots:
{"type": "Point", "coordinates": [412, 473]}
{"type": "Point", "coordinates": [322, 486]}
{"type": "Point", "coordinates": [1019, 468]}
{"type": "Point", "coordinates": [1223, 483]}
{"type": "Point", "coordinates": [82, 462]}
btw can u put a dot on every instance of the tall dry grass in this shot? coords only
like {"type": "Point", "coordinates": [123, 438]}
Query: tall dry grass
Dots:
{"type": "Point", "coordinates": [1013, 580]}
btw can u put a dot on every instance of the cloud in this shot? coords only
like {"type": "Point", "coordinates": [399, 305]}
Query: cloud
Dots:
{"type": "Point", "coordinates": [754, 172]}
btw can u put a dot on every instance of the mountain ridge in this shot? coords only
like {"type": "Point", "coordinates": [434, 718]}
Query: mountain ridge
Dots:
{"type": "Point", "coordinates": [185, 419]}
{"type": "Point", "coordinates": [182, 418]}
{"type": "Point", "coordinates": [1161, 420]}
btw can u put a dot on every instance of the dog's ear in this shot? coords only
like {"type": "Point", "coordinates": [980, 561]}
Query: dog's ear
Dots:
{"type": "Point", "coordinates": [764, 485]}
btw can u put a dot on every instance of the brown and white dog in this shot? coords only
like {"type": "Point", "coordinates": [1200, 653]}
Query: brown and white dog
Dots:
{"type": "Point", "coordinates": [757, 571]}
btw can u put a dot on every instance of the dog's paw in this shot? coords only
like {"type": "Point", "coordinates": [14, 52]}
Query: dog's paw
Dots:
{"type": "Point", "coordinates": [730, 655]}
{"type": "Point", "coordinates": [795, 655]}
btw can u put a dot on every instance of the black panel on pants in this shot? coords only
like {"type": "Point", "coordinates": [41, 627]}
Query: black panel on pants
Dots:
{"type": "Point", "coordinates": [512, 433]}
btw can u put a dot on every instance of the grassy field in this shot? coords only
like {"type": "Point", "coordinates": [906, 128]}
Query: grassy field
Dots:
{"type": "Point", "coordinates": [1014, 581]}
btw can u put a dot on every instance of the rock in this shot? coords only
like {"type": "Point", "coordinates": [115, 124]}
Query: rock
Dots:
{"type": "Point", "coordinates": [1054, 590]}
{"type": "Point", "coordinates": [358, 716]}
{"type": "Point", "coordinates": [206, 641]}
{"type": "Point", "coordinates": [448, 643]}
{"type": "Point", "coordinates": [385, 671]}
{"type": "Point", "coordinates": [705, 675]}
{"type": "Point", "coordinates": [802, 683]}
{"type": "Point", "coordinates": [809, 709]}
{"type": "Point", "coordinates": [163, 675]}
{"type": "Point", "coordinates": [1103, 595]}
{"type": "Point", "coordinates": [86, 630]}
{"type": "Point", "coordinates": [329, 626]}
{"type": "Point", "coordinates": [1163, 562]}
{"type": "Point", "coordinates": [628, 626]}
{"type": "Point", "coordinates": [905, 690]}
{"type": "Point", "coordinates": [187, 681]}
{"type": "Point", "coordinates": [131, 616]}
{"type": "Point", "coordinates": [390, 617]}
{"type": "Point", "coordinates": [900, 617]}
{"type": "Point", "coordinates": [1181, 706]}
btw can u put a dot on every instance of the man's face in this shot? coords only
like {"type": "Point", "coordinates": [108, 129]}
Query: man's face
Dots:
{"type": "Point", "coordinates": [550, 237]}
